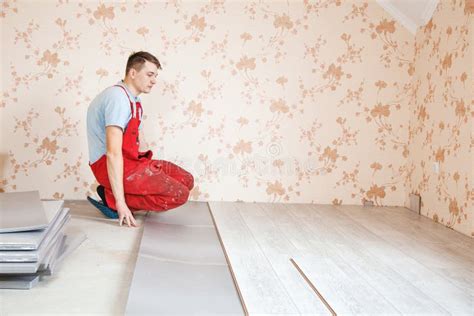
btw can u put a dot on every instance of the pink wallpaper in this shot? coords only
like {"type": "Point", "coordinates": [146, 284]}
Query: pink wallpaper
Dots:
{"type": "Point", "coordinates": [441, 121]}
{"type": "Point", "coordinates": [278, 101]}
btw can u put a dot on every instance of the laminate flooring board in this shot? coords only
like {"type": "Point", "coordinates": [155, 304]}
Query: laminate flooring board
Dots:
{"type": "Point", "coordinates": [344, 290]}
{"type": "Point", "coordinates": [437, 251]}
{"type": "Point", "coordinates": [21, 211]}
{"type": "Point", "coordinates": [351, 254]}
{"type": "Point", "coordinates": [278, 250]}
{"type": "Point", "coordinates": [31, 240]}
{"type": "Point", "coordinates": [400, 292]}
{"type": "Point", "coordinates": [333, 226]}
{"type": "Point", "coordinates": [296, 231]}
{"type": "Point", "coordinates": [437, 287]}
{"type": "Point", "coordinates": [436, 236]}
{"type": "Point", "coordinates": [360, 260]}
{"type": "Point", "coordinates": [400, 236]}
{"type": "Point", "coordinates": [400, 258]}
{"type": "Point", "coordinates": [330, 225]}
{"type": "Point", "coordinates": [399, 241]}
{"type": "Point", "coordinates": [343, 273]}
{"type": "Point", "coordinates": [432, 254]}
{"type": "Point", "coordinates": [267, 235]}
{"type": "Point", "coordinates": [424, 230]}
{"type": "Point", "coordinates": [181, 268]}
{"type": "Point", "coordinates": [262, 290]}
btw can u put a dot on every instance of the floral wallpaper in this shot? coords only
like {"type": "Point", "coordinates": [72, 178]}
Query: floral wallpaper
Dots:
{"type": "Point", "coordinates": [311, 101]}
{"type": "Point", "coordinates": [441, 117]}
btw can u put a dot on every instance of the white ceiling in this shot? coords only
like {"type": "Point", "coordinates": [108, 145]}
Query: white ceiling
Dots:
{"type": "Point", "coordinates": [410, 13]}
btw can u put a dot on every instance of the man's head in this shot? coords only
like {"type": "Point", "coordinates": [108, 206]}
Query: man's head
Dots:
{"type": "Point", "coordinates": [142, 69]}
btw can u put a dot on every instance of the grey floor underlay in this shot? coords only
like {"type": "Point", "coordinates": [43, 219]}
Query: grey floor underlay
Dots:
{"type": "Point", "coordinates": [32, 267]}
{"type": "Point", "coordinates": [181, 268]}
{"type": "Point", "coordinates": [63, 246]}
{"type": "Point", "coordinates": [195, 244]}
{"type": "Point", "coordinates": [21, 211]}
{"type": "Point", "coordinates": [37, 255]}
{"type": "Point", "coordinates": [19, 282]}
{"type": "Point", "coordinates": [31, 240]}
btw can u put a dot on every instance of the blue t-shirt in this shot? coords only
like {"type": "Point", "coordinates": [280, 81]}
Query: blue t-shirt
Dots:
{"type": "Point", "coordinates": [110, 107]}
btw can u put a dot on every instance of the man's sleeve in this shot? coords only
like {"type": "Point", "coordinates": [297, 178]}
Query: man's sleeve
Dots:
{"type": "Point", "coordinates": [117, 108]}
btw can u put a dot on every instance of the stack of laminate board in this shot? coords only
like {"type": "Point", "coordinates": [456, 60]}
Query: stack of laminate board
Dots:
{"type": "Point", "coordinates": [33, 239]}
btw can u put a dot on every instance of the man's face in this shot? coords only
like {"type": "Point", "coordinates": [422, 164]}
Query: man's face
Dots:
{"type": "Point", "coordinates": [144, 79]}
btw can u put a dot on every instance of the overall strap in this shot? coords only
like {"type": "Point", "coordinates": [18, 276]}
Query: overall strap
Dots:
{"type": "Point", "coordinates": [139, 109]}
{"type": "Point", "coordinates": [134, 113]}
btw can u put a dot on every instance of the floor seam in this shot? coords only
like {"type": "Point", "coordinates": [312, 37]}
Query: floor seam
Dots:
{"type": "Point", "coordinates": [162, 259]}
{"type": "Point", "coordinates": [229, 265]}
{"type": "Point", "coordinates": [313, 287]}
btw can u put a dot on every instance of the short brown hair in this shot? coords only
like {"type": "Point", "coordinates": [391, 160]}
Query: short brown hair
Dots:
{"type": "Point", "coordinates": [136, 61]}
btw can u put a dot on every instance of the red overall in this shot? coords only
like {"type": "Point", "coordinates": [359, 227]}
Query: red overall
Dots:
{"type": "Point", "coordinates": [152, 185]}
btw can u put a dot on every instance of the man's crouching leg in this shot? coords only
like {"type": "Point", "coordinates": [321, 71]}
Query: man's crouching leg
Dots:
{"type": "Point", "coordinates": [176, 196]}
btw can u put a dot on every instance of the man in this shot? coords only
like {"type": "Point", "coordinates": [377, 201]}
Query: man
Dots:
{"type": "Point", "coordinates": [129, 179]}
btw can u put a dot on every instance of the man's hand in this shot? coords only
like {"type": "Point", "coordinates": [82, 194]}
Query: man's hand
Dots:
{"type": "Point", "coordinates": [114, 137]}
{"type": "Point", "coordinates": [125, 215]}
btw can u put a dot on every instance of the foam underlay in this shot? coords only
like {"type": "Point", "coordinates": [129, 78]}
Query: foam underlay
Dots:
{"type": "Point", "coordinates": [181, 268]}
{"type": "Point", "coordinates": [21, 211]}
{"type": "Point", "coordinates": [32, 267]}
{"type": "Point", "coordinates": [31, 240]}
{"type": "Point", "coordinates": [63, 246]}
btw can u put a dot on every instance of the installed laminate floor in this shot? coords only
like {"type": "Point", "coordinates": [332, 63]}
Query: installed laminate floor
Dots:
{"type": "Point", "coordinates": [302, 259]}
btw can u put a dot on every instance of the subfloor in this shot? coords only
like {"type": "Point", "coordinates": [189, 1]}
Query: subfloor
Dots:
{"type": "Point", "coordinates": [94, 279]}
{"type": "Point", "coordinates": [287, 259]}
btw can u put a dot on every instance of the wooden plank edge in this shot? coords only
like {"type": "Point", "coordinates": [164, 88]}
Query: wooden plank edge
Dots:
{"type": "Point", "coordinates": [236, 285]}
{"type": "Point", "coordinates": [313, 287]}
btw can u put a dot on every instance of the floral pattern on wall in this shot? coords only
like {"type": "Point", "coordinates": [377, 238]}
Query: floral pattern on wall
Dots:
{"type": "Point", "coordinates": [279, 101]}
{"type": "Point", "coordinates": [441, 121]}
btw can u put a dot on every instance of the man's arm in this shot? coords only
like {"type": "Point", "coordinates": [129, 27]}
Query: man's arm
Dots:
{"type": "Point", "coordinates": [114, 137]}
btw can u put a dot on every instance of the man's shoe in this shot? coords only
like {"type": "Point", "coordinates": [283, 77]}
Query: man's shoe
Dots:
{"type": "Point", "coordinates": [110, 213]}
{"type": "Point", "coordinates": [101, 192]}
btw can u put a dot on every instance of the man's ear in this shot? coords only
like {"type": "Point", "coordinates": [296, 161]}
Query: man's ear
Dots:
{"type": "Point", "coordinates": [132, 73]}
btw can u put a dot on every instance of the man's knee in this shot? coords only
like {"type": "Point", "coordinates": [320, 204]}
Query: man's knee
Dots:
{"type": "Point", "coordinates": [182, 196]}
{"type": "Point", "coordinates": [190, 182]}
